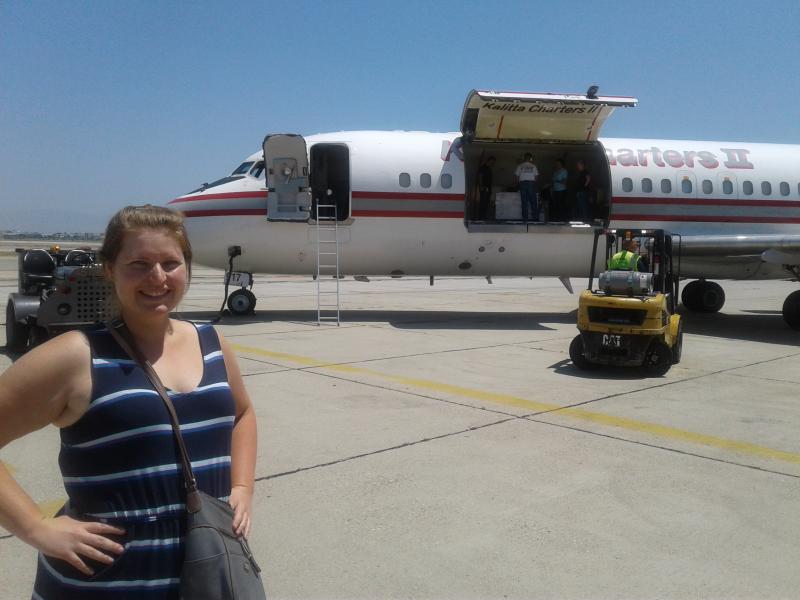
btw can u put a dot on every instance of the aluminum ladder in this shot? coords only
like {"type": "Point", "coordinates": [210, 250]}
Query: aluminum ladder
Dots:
{"type": "Point", "coordinates": [327, 264]}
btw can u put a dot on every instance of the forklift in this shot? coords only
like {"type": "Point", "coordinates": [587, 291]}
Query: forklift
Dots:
{"type": "Point", "coordinates": [629, 320]}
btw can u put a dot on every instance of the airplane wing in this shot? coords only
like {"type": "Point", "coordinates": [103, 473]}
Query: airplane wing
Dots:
{"type": "Point", "coordinates": [779, 249]}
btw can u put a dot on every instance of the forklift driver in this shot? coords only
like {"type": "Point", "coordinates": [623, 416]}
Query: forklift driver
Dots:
{"type": "Point", "coordinates": [628, 259]}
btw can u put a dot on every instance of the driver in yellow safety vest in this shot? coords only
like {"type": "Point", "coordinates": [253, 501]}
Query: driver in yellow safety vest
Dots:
{"type": "Point", "coordinates": [628, 259]}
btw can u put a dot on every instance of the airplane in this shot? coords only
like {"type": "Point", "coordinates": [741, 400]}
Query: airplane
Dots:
{"type": "Point", "coordinates": [406, 202]}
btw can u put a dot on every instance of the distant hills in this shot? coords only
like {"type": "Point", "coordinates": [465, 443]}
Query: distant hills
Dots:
{"type": "Point", "coordinates": [53, 220]}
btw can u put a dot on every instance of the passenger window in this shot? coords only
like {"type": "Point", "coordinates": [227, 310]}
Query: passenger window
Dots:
{"type": "Point", "coordinates": [686, 185]}
{"type": "Point", "coordinates": [447, 180]}
{"type": "Point", "coordinates": [647, 185]}
{"type": "Point", "coordinates": [666, 186]}
{"type": "Point", "coordinates": [425, 180]}
{"type": "Point", "coordinates": [627, 184]}
{"type": "Point", "coordinates": [766, 188]}
{"type": "Point", "coordinates": [727, 187]}
{"type": "Point", "coordinates": [784, 188]}
{"type": "Point", "coordinates": [747, 188]}
{"type": "Point", "coordinates": [405, 180]}
{"type": "Point", "coordinates": [708, 187]}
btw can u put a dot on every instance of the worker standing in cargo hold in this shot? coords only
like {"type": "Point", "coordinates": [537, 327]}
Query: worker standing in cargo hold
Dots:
{"type": "Point", "coordinates": [485, 187]}
{"type": "Point", "coordinates": [527, 174]}
{"type": "Point", "coordinates": [583, 183]}
{"type": "Point", "coordinates": [558, 202]}
{"type": "Point", "coordinates": [628, 259]}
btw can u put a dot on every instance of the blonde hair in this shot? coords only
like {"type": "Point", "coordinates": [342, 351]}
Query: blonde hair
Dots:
{"type": "Point", "coordinates": [132, 218]}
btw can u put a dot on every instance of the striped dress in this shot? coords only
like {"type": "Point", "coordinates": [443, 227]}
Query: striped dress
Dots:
{"type": "Point", "coordinates": [120, 465]}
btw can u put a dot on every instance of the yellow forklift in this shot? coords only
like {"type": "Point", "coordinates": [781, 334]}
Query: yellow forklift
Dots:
{"type": "Point", "coordinates": [629, 319]}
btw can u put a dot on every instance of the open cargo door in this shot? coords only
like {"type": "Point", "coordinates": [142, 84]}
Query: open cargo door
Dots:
{"type": "Point", "coordinates": [536, 118]}
{"type": "Point", "coordinates": [286, 161]}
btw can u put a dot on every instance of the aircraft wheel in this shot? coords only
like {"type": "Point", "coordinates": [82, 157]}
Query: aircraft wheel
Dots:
{"type": "Point", "coordinates": [577, 355]}
{"type": "Point", "coordinates": [703, 296]}
{"type": "Point", "coordinates": [658, 359]}
{"type": "Point", "coordinates": [677, 347]}
{"type": "Point", "coordinates": [690, 295]}
{"type": "Point", "coordinates": [242, 302]}
{"type": "Point", "coordinates": [712, 297]}
{"type": "Point", "coordinates": [791, 310]}
{"type": "Point", "coordinates": [16, 333]}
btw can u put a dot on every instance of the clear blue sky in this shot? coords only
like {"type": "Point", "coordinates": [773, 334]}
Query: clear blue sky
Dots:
{"type": "Point", "coordinates": [109, 103]}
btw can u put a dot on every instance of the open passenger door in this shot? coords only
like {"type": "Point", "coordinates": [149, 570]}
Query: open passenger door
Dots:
{"type": "Point", "coordinates": [286, 161]}
{"type": "Point", "coordinates": [536, 118]}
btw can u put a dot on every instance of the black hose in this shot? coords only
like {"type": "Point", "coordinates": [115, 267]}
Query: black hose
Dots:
{"type": "Point", "coordinates": [227, 283]}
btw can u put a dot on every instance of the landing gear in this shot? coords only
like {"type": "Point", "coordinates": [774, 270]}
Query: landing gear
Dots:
{"type": "Point", "coordinates": [242, 302]}
{"type": "Point", "coordinates": [703, 296]}
{"type": "Point", "coordinates": [17, 333]}
{"type": "Point", "coordinates": [791, 310]}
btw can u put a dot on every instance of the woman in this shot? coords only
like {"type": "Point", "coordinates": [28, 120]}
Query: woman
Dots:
{"type": "Point", "coordinates": [121, 534]}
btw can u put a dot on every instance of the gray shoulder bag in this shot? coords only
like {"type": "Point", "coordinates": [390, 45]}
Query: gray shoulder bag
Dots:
{"type": "Point", "coordinates": [217, 565]}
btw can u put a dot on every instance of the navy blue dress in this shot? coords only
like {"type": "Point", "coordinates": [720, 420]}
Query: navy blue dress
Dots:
{"type": "Point", "coordinates": [120, 465]}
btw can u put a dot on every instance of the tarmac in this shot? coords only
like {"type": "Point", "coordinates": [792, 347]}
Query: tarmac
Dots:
{"type": "Point", "coordinates": [440, 444]}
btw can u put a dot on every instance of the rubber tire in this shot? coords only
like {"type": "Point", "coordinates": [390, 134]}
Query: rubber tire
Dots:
{"type": "Point", "coordinates": [690, 295]}
{"type": "Point", "coordinates": [38, 335]}
{"type": "Point", "coordinates": [791, 310]}
{"type": "Point", "coordinates": [657, 359]}
{"type": "Point", "coordinates": [677, 347]}
{"type": "Point", "coordinates": [711, 297]}
{"type": "Point", "coordinates": [577, 356]}
{"type": "Point", "coordinates": [242, 302]}
{"type": "Point", "coordinates": [17, 334]}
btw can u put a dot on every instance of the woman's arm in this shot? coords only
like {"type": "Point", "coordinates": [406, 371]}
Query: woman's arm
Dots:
{"type": "Point", "coordinates": [243, 446]}
{"type": "Point", "coordinates": [50, 384]}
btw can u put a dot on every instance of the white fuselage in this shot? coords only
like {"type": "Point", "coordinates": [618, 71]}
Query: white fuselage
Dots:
{"type": "Point", "coordinates": [695, 188]}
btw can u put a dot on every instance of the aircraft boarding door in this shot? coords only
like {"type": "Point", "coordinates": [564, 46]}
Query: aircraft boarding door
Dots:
{"type": "Point", "coordinates": [289, 194]}
{"type": "Point", "coordinates": [330, 180]}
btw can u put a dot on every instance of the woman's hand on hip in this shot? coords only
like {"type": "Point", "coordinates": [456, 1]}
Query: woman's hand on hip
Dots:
{"type": "Point", "coordinates": [71, 541]}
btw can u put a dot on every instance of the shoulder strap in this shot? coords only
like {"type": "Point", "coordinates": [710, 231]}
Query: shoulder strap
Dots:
{"type": "Point", "coordinates": [123, 337]}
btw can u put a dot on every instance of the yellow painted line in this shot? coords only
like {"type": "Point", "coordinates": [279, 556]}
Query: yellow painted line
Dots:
{"type": "Point", "coordinates": [47, 508]}
{"type": "Point", "coordinates": [654, 429]}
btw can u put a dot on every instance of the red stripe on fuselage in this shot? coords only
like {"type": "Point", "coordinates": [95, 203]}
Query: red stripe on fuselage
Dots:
{"type": "Point", "coordinates": [225, 196]}
{"type": "Point", "coordinates": [227, 212]}
{"type": "Point", "coordinates": [706, 202]}
{"type": "Point", "coordinates": [420, 214]}
{"type": "Point", "coordinates": [407, 196]}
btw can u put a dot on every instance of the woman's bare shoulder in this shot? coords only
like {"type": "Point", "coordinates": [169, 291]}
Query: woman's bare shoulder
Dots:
{"type": "Point", "coordinates": [45, 384]}
{"type": "Point", "coordinates": [181, 326]}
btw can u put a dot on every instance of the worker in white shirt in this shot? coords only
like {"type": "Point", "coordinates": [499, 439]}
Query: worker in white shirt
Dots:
{"type": "Point", "coordinates": [527, 175]}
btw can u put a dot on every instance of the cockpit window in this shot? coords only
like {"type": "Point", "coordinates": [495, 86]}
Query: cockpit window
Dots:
{"type": "Point", "coordinates": [243, 168]}
{"type": "Point", "coordinates": [222, 181]}
{"type": "Point", "coordinates": [258, 169]}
